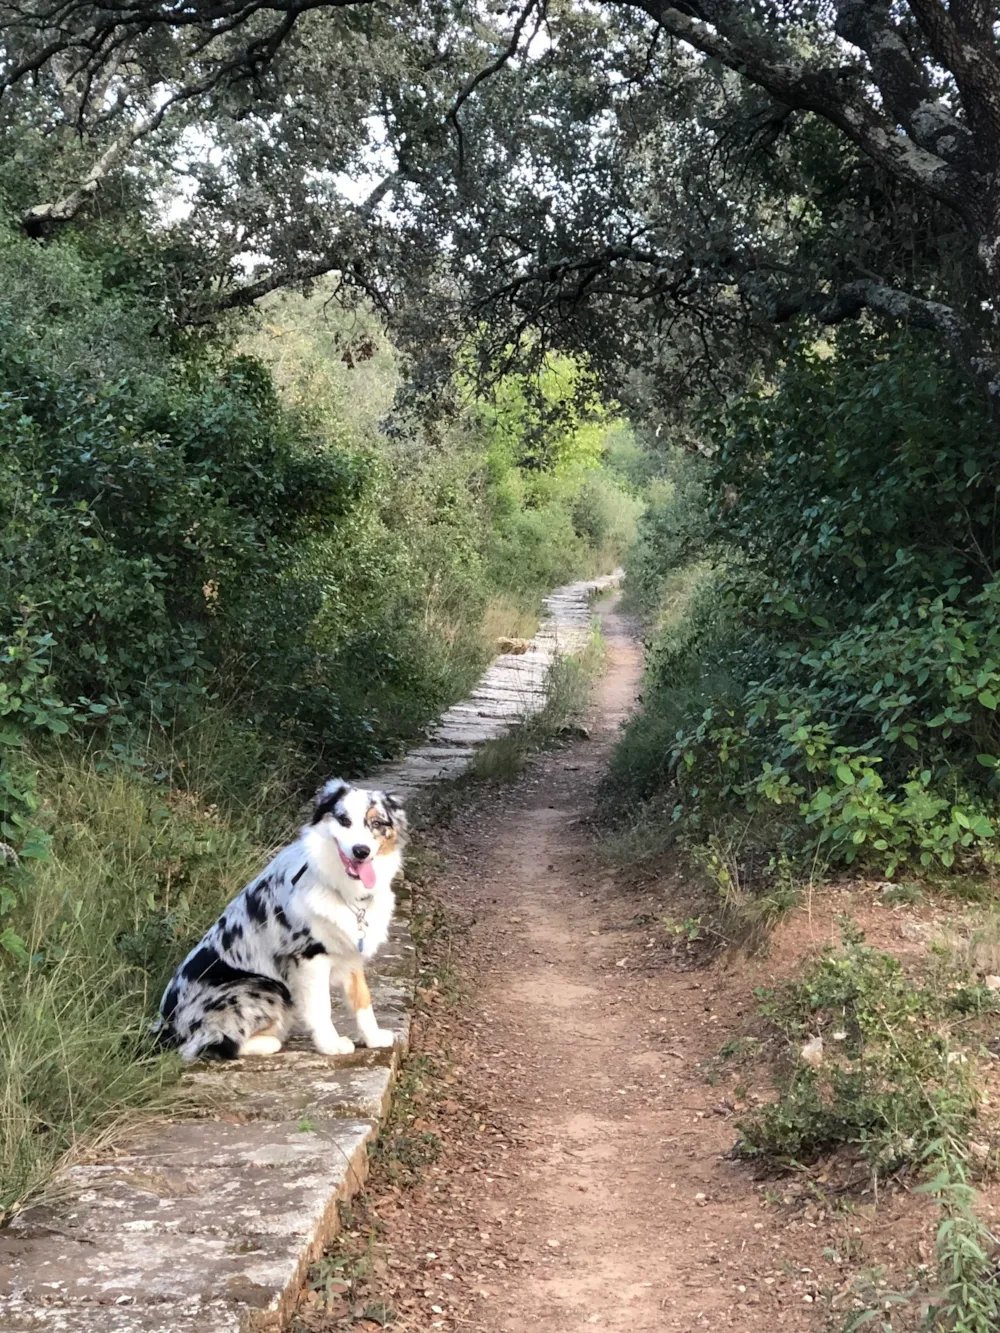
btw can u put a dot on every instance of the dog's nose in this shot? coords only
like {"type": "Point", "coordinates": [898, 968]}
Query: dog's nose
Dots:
{"type": "Point", "coordinates": [360, 852]}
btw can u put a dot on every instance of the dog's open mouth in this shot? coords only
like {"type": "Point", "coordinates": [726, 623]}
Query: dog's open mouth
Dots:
{"type": "Point", "coordinates": [363, 870]}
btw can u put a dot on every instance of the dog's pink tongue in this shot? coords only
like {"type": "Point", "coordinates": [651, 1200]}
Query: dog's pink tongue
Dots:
{"type": "Point", "coordinates": [366, 870]}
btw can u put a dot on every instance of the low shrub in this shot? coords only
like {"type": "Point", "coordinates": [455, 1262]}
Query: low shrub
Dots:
{"type": "Point", "coordinates": [891, 1078]}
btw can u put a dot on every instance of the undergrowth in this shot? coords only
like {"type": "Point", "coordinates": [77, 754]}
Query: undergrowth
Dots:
{"type": "Point", "coordinates": [892, 1078]}
{"type": "Point", "coordinates": [883, 1066]}
{"type": "Point", "coordinates": [135, 871]}
{"type": "Point", "coordinates": [832, 684]}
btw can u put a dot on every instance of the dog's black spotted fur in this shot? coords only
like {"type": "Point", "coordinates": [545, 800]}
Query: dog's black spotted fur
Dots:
{"type": "Point", "coordinates": [255, 969]}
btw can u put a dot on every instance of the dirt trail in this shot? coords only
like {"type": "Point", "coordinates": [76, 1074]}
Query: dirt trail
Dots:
{"type": "Point", "coordinates": [589, 1059]}
{"type": "Point", "coordinates": [584, 1181]}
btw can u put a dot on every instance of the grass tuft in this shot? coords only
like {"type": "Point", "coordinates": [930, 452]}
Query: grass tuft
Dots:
{"type": "Point", "coordinates": [137, 871]}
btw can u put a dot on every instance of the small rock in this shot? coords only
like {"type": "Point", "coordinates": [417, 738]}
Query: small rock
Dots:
{"type": "Point", "coordinates": [991, 982]}
{"type": "Point", "coordinates": [915, 931]}
{"type": "Point", "coordinates": [812, 1052]}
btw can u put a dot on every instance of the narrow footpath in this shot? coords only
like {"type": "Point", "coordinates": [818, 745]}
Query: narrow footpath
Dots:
{"type": "Point", "coordinates": [584, 1179]}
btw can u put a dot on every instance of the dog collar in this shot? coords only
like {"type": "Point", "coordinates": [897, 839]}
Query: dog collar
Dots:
{"type": "Point", "coordinates": [360, 916]}
{"type": "Point", "coordinates": [362, 919]}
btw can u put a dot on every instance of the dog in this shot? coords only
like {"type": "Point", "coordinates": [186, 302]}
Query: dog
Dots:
{"type": "Point", "coordinates": [315, 916]}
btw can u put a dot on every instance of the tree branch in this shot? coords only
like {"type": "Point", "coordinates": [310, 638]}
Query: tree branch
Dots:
{"type": "Point", "coordinates": [241, 298]}
{"type": "Point", "coordinates": [93, 31]}
{"type": "Point", "coordinates": [972, 59]}
{"type": "Point", "coordinates": [494, 67]}
{"type": "Point", "coordinates": [849, 300]}
{"type": "Point", "coordinates": [799, 84]}
{"type": "Point", "coordinates": [40, 217]}
{"type": "Point", "coordinates": [904, 84]}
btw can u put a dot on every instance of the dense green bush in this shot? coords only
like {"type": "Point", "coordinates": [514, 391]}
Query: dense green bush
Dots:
{"type": "Point", "coordinates": [141, 524]}
{"type": "Point", "coordinates": [836, 684]}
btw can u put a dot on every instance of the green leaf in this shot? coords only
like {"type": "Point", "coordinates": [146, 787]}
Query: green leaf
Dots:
{"type": "Point", "coordinates": [37, 846]}
{"type": "Point", "coordinates": [845, 774]}
{"type": "Point", "coordinates": [12, 943]}
{"type": "Point", "coordinates": [988, 699]}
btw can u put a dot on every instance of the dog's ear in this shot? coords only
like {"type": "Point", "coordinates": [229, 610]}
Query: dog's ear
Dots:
{"type": "Point", "coordinates": [327, 798]}
{"type": "Point", "coordinates": [396, 812]}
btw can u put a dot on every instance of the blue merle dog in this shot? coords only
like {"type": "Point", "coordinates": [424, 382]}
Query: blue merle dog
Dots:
{"type": "Point", "coordinates": [314, 916]}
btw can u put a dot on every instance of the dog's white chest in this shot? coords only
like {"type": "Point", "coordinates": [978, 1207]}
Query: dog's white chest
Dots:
{"type": "Point", "coordinates": [350, 930]}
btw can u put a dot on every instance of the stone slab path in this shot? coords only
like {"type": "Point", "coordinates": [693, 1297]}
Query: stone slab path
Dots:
{"type": "Point", "coordinates": [512, 689]}
{"type": "Point", "coordinates": [206, 1223]}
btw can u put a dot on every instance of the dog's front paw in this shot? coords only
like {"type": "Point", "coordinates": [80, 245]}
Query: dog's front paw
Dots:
{"type": "Point", "coordinates": [380, 1037]}
{"type": "Point", "coordinates": [333, 1045]}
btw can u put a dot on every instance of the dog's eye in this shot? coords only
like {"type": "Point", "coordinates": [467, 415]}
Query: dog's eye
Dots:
{"type": "Point", "coordinates": [344, 820]}
{"type": "Point", "coordinates": [379, 826]}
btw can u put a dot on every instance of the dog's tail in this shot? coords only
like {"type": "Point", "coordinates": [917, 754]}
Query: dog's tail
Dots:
{"type": "Point", "coordinates": [152, 1040]}
{"type": "Point", "coordinates": [162, 1036]}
